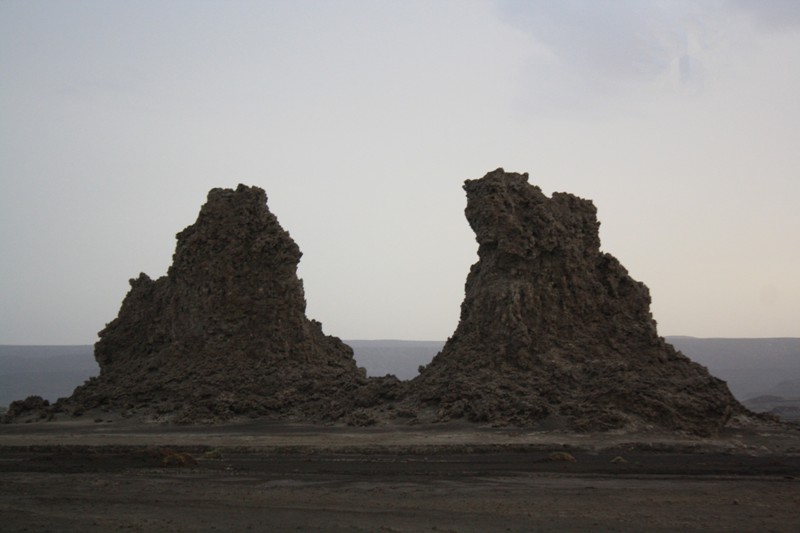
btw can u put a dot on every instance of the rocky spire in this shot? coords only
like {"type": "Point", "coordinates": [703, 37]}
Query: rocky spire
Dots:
{"type": "Point", "coordinates": [224, 333]}
{"type": "Point", "coordinates": [553, 331]}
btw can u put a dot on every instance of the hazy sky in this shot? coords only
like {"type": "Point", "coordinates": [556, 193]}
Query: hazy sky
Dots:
{"type": "Point", "coordinates": [361, 119]}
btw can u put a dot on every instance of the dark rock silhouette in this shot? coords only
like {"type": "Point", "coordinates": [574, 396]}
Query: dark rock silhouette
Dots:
{"type": "Point", "coordinates": [555, 332]}
{"type": "Point", "coordinates": [32, 405]}
{"type": "Point", "coordinates": [224, 333]}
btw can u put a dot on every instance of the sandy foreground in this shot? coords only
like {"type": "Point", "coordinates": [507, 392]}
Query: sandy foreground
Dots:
{"type": "Point", "coordinates": [260, 476]}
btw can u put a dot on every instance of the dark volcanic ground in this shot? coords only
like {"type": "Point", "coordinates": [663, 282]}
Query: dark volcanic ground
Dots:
{"type": "Point", "coordinates": [258, 476]}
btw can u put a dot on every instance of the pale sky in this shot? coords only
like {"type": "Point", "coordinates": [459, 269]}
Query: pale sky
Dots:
{"type": "Point", "coordinates": [361, 120]}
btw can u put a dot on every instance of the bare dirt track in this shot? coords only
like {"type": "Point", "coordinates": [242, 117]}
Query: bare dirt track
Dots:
{"type": "Point", "coordinates": [121, 476]}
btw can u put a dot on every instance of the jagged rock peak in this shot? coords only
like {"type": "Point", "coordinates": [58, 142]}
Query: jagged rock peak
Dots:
{"type": "Point", "coordinates": [235, 222]}
{"type": "Point", "coordinates": [552, 329]}
{"type": "Point", "coordinates": [542, 273]}
{"type": "Point", "coordinates": [514, 217]}
{"type": "Point", "coordinates": [224, 333]}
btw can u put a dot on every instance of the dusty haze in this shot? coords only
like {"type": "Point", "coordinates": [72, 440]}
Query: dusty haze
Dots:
{"type": "Point", "coordinates": [361, 120]}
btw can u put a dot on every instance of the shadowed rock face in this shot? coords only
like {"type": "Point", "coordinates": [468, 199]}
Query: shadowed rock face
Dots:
{"type": "Point", "coordinates": [553, 330]}
{"type": "Point", "coordinates": [224, 333]}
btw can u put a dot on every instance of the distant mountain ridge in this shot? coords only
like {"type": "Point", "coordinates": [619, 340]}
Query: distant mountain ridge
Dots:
{"type": "Point", "coordinates": [48, 371]}
{"type": "Point", "coordinates": [398, 357]}
{"type": "Point", "coordinates": [752, 367]}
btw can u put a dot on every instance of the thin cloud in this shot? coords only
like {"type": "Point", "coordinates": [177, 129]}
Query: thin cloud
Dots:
{"type": "Point", "coordinates": [781, 15]}
{"type": "Point", "coordinates": [621, 39]}
{"type": "Point", "coordinates": [609, 51]}
{"type": "Point", "coordinates": [603, 55]}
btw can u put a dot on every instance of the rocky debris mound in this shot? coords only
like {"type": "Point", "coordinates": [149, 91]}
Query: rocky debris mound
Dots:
{"type": "Point", "coordinates": [555, 332]}
{"type": "Point", "coordinates": [224, 334]}
{"type": "Point", "coordinates": [31, 406]}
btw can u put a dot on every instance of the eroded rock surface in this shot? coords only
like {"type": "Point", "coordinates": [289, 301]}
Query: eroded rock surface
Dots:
{"type": "Point", "coordinates": [224, 333]}
{"type": "Point", "coordinates": [555, 332]}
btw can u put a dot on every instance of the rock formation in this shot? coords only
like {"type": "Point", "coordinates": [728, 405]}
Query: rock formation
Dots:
{"type": "Point", "coordinates": [224, 333]}
{"type": "Point", "coordinates": [555, 332]}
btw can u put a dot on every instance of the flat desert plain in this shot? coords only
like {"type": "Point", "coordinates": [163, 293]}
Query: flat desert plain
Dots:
{"type": "Point", "coordinates": [119, 475]}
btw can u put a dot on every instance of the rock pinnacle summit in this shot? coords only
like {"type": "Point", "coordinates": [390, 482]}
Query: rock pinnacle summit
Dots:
{"type": "Point", "coordinates": [224, 333]}
{"type": "Point", "coordinates": [554, 331]}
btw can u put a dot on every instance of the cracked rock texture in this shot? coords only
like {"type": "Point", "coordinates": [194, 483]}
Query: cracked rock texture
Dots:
{"type": "Point", "coordinates": [554, 332]}
{"type": "Point", "coordinates": [224, 333]}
